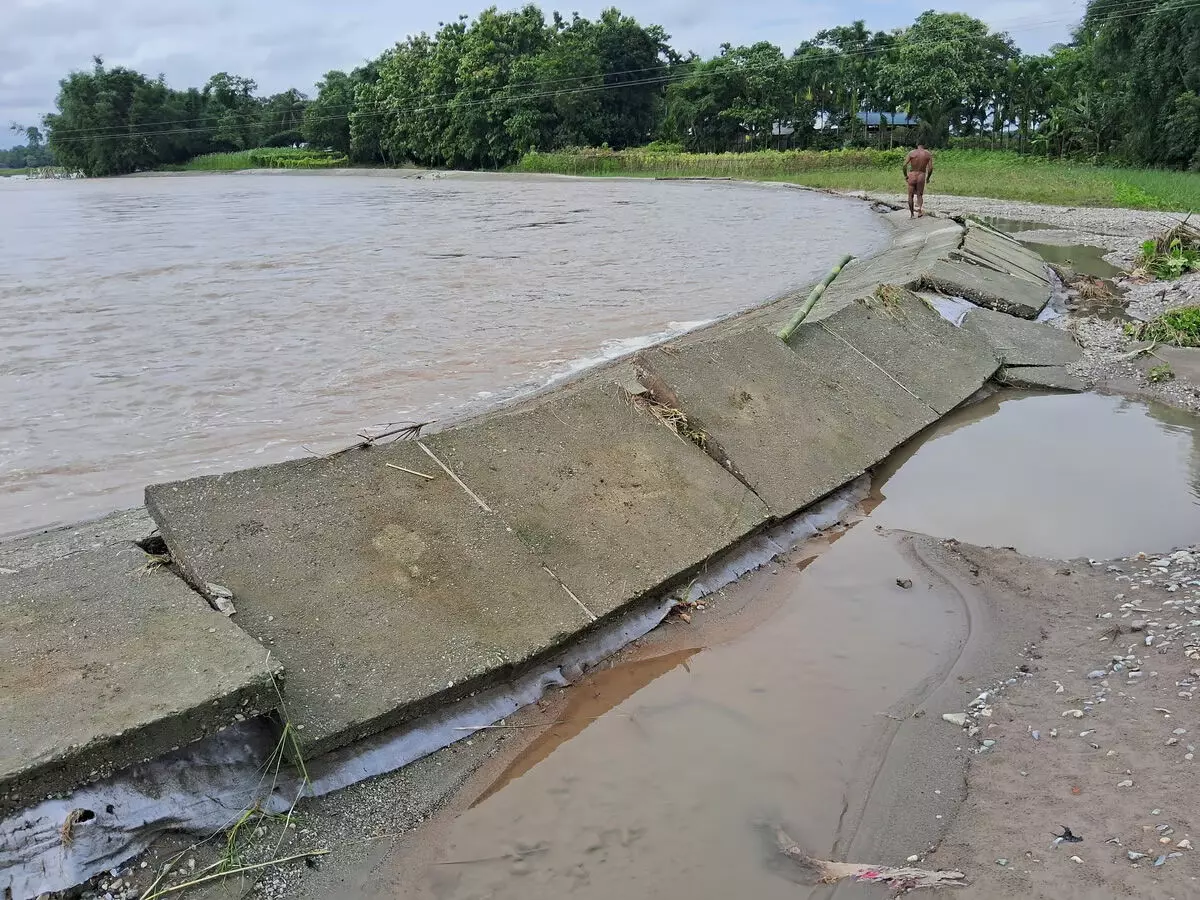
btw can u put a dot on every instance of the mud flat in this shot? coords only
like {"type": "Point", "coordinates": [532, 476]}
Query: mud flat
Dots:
{"type": "Point", "coordinates": [400, 586]}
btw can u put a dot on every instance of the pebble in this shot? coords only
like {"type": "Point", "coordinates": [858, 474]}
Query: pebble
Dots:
{"type": "Point", "coordinates": [1076, 859]}
{"type": "Point", "coordinates": [1075, 713]}
{"type": "Point", "coordinates": [914, 858]}
{"type": "Point", "coordinates": [1134, 856]}
{"type": "Point", "coordinates": [1125, 783]}
{"type": "Point", "coordinates": [1098, 673]}
{"type": "Point", "coordinates": [959, 719]}
{"type": "Point", "coordinates": [1185, 844]}
{"type": "Point", "coordinates": [1002, 862]}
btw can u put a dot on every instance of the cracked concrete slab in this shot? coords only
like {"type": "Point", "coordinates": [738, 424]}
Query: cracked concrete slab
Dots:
{"type": "Point", "coordinates": [611, 500]}
{"type": "Point", "coordinates": [898, 332]}
{"type": "Point", "coordinates": [795, 423]}
{"type": "Point", "coordinates": [1020, 342]}
{"type": "Point", "coordinates": [1016, 295]}
{"type": "Point", "coordinates": [384, 593]}
{"type": "Point", "coordinates": [1051, 378]}
{"type": "Point", "coordinates": [104, 663]}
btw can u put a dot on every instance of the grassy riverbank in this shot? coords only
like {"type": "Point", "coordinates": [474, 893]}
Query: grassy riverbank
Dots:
{"type": "Point", "coordinates": [964, 173]}
{"type": "Point", "coordinates": [7, 173]}
{"type": "Point", "coordinates": [263, 158]}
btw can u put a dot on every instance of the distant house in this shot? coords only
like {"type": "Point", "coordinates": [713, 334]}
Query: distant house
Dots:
{"type": "Point", "coordinates": [890, 119]}
{"type": "Point", "coordinates": [871, 119]}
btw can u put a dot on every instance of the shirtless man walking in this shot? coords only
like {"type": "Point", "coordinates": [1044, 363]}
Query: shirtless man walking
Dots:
{"type": "Point", "coordinates": [918, 170]}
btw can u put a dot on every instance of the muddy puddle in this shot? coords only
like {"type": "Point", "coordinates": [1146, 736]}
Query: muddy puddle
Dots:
{"type": "Point", "coordinates": [798, 710]}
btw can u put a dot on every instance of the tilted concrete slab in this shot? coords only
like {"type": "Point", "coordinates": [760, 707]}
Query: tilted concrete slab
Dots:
{"type": "Point", "coordinates": [896, 331]}
{"type": "Point", "coordinates": [104, 664]}
{"type": "Point", "coordinates": [383, 593]}
{"type": "Point", "coordinates": [917, 243]}
{"type": "Point", "coordinates": [606, 496]}
{"type": "Point", "coordinates": [1004, 252]}
{"type": "Point", "coordinates": [1016, 295]}
{"type": "Point", "coordinates": [1052, 378]}
{"type": "Point", "coordinates": [795, 424]}
{"type": "Point", "coordinates": [1019, 342]}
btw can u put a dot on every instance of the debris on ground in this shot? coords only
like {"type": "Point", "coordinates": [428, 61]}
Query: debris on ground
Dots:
{"type": "Point", "coordinates": [1067, 837]}
{"type": "Point", "coordinates": [1121, 639]}
{"type": "Point", "coordinates": [1171, 254]}
{"type": "Point", "coordinates": [899, 879]}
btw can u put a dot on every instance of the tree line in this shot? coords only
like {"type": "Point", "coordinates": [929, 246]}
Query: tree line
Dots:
{"type": "Point", "coordinates": [32, 154]}
{"type": "Point", "coordinates": [483, 92]}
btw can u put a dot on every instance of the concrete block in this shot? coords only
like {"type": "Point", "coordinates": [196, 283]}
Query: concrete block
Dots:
{"type": "Point", "coordinates": [1004, 253]}
{"type": "Point", "coordinates": [937, 362]}
{"type": "Point", "coordinates": [1052, 378]}
{"type": "Point", "coordinates": [1020, 342]}
{"type": "Point", "coordinates": [606, 496]}
{"type": "Point", "coordinates": [384, 593]}
{"type": "Point", "coordinates": [795, 423]}
{"type": "Point", "coordinates": [104, 664]}
{"type": "Point", "coordinates": [1013, 294]}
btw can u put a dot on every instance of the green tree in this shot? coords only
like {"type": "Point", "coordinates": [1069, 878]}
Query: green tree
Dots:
{"type": "Point", "coordinates": [326, 121]}
{"type": "Point", "coordinates": [939, 67]}
{"type": "Point", "coordinates": [233, 115]}
{"type": "Point", "coordinates": [492, 47]}
{"type": "Point", "coordinates": [107, 121]}
{"type": "Point", "coordinates": [283, 117]}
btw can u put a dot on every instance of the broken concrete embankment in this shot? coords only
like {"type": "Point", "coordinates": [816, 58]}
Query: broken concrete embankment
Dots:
{"type": "Point", "coordinates": [393, 580]}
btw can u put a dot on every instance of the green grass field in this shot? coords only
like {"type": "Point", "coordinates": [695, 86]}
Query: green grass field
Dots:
{"type": "Point", "coordinates": [263, 158]}
{"type": "Point", "coordinates": [5, 173]}
{"type": "Point", "coordinates": [966, 173]}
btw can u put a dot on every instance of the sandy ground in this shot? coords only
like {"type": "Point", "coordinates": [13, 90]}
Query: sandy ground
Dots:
{"type": "Point", "coordinates": [1097, 734]}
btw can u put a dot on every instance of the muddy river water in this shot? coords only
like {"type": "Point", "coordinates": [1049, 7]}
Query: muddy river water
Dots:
{"type": "Point", "coordinates": [157, 328]}
{"type": "Point", "coordinates": [662, 767]}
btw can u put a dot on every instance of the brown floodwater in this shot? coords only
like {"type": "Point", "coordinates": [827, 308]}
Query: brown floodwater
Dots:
{"type": "Point", "coordinates": [160, 328]}
{"type": "Point", "coordinates": [661, 770]}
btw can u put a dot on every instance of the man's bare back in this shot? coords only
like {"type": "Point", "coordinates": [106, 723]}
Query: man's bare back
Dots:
{"type": "Point", "coordinates": [918, 169]}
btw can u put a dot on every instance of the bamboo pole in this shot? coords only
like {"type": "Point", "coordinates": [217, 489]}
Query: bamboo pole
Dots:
{"type": "Point", "coordinates": [789, 329]}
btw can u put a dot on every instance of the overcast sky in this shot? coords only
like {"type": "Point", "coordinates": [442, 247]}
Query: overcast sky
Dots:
{"type": "Point", "coordinates": [290, 43]}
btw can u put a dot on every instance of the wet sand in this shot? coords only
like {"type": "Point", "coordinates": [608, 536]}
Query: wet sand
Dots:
{"type": "Point", "coordinates": [1113, 755]}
